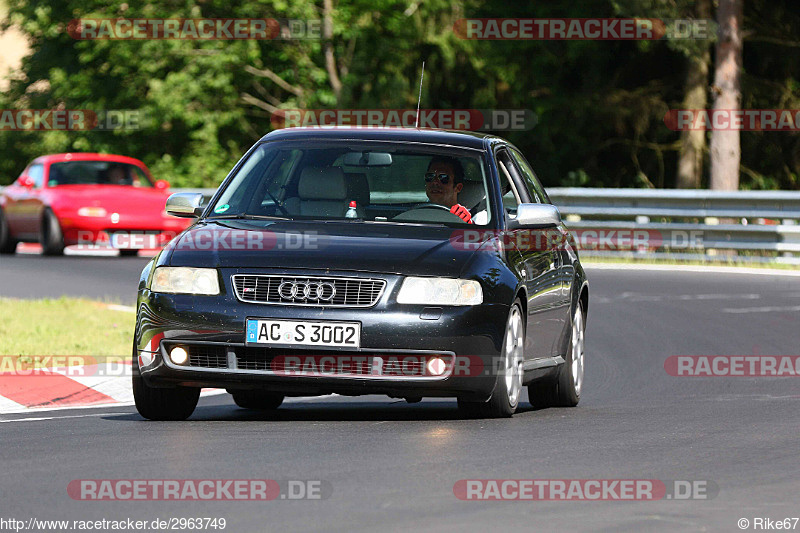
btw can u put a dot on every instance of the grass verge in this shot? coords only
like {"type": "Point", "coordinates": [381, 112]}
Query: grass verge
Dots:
{"type": "Point", "coordinates": [64, 326]}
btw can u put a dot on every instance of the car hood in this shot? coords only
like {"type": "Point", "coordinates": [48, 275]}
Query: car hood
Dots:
{"type": "Point", "coordinates": [379, 248]}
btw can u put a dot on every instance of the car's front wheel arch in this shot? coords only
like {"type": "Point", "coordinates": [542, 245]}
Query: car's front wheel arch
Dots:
{"type": "Point", "coordinates": [521, 295]}
{"type": "Point", "coordinates": [583, 300]}
{"type": "Point", "coordinates": [505, 397]}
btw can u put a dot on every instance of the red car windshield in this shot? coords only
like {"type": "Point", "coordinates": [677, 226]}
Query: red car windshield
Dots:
{"type": "Point", "coordinates": [97, 173]}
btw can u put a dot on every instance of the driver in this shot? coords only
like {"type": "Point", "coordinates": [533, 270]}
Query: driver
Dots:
{"type": "Point", "coordinates": [116, 175]}
{"type": "Point", "coordinates": [443, 181]}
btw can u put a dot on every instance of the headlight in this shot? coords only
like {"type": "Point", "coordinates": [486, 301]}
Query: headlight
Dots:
{"type": "Point", "coordinates": [440, 291]}
{"type": "Point", "coordinates": [91, 212]}
{"type": "Point", "coordinates": [184, 280]}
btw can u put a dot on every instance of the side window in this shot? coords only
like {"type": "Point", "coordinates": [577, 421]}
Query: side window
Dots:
{"type": "Point", "coordinates": [535, 188]}
{"type": "Point", "coordinates": [36, 173]}
{"type": "Point", "coordinates": [512, 196]}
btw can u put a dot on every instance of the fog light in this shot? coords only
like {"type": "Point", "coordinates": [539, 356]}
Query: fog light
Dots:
{"type": "Point", "coordinates": [436, 366]}
{"type": "Point", "coordinates": [179, 355]}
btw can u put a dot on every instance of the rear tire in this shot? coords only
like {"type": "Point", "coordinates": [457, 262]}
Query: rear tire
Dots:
{"type": "Point", "coordinates": [505, 398]}
{"type": "Point", "coordinates": [7, 244]}
{"type": "Point", "coordinates": [565, 390]}
{"type": "Point", "coordinates": [50, 237]}
{"type": "Point", "coordinates": [261, 401]}
{"type": "Point", "coordinates": [162, 404]}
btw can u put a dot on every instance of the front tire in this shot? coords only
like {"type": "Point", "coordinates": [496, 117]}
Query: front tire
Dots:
{"type": "Point", "coordinates": [162, 404]}
{"type": "Point", "coordinates": [50, 237]}
{"type": "Point", "coordinates": [260, 401]}
{"type": "Point", "coordinates": [505, 398]}
{"type": "Point", "coordinates": [7, 244]}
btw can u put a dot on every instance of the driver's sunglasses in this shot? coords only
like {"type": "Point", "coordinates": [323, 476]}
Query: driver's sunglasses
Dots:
{"type": "Point", "coordinates": [442, 177]}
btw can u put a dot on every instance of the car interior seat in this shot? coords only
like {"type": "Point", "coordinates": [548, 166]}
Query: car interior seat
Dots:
{"type": "Point", "coordinates": [472, 196]}
{"type": "Point", "coordinates": [321, 191]}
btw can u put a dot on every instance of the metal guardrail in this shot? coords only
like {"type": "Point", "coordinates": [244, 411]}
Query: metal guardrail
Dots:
{"type": "Point", "coordinates": [679, 203]}
{"type": "Point", "coordinates": [741, 226]}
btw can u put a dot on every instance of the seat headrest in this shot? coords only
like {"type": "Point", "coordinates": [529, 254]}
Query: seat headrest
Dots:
{"type": "Point", "coordinates": [322, 183]}
{"type": "Point", "coordinates": [472, 193]}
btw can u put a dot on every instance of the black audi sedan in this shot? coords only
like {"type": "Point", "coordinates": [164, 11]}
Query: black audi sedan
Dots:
{"type": "Point", "coordinates": [411, 263]}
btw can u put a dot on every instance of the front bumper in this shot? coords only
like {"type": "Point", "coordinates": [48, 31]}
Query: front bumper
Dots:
{"type": "Point", "coordinates": [213, 328]}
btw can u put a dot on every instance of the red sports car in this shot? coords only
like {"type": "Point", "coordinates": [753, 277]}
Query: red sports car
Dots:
{"type": "Point", "coordinates": [67, 199]}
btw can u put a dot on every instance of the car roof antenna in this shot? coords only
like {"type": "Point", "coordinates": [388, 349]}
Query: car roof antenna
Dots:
{"type": "Point", "coordinates": [419, 100]}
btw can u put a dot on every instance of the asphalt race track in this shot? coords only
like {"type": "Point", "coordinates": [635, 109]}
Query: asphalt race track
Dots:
{"type": "Point", "coordinates": [392, 466]}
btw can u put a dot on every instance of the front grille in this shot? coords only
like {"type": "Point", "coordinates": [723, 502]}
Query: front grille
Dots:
{"type": "Point", "coordinates": [316, 291]}
{"type": "Point", "coordinates": [253, 358]}
{"type": "Point", "coordinates": [207, 355]}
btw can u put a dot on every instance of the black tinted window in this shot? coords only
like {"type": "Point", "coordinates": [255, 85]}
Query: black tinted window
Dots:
{"type": "Point", "coordinates": [535, 188]}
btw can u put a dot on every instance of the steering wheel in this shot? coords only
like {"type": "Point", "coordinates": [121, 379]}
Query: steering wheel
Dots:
{"type": "Point", "coordinates": [430, 206]}
{"type": "Point", "coordinates": [426, 213]}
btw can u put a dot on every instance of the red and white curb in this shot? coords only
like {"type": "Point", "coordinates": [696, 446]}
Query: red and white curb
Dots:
{"type": "Point", "coordinates": [69, 387]}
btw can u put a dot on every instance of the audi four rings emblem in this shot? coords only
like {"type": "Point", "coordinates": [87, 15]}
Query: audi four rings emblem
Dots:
{"type": "Point", "coordinates": [305, 290]}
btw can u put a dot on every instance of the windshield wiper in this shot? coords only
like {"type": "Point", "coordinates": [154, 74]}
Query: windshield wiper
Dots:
{"type": "Point", "coordinates": [246, 216]}
{"type": "Point", "coordinates": [407, 223]}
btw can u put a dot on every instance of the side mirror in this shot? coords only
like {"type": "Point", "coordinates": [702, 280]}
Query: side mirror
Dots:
{"type": "Point", "coordinates": [535, 216]}
{"type": "Point", "coordinates": [185, 204]}
{"type": "Point", "coordinates": [162, 185]}
{"type": "Point", "coordinates": [26, 181]}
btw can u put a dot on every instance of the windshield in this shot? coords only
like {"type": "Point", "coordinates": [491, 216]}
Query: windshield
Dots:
{"type": "Point", "coordinates": [97, 173]}
{"type": "Point", "coordinates": [375, 182]}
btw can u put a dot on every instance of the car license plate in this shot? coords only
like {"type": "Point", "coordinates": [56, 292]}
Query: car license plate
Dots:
{"type": "Point", "coordinates": [303, 333]}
